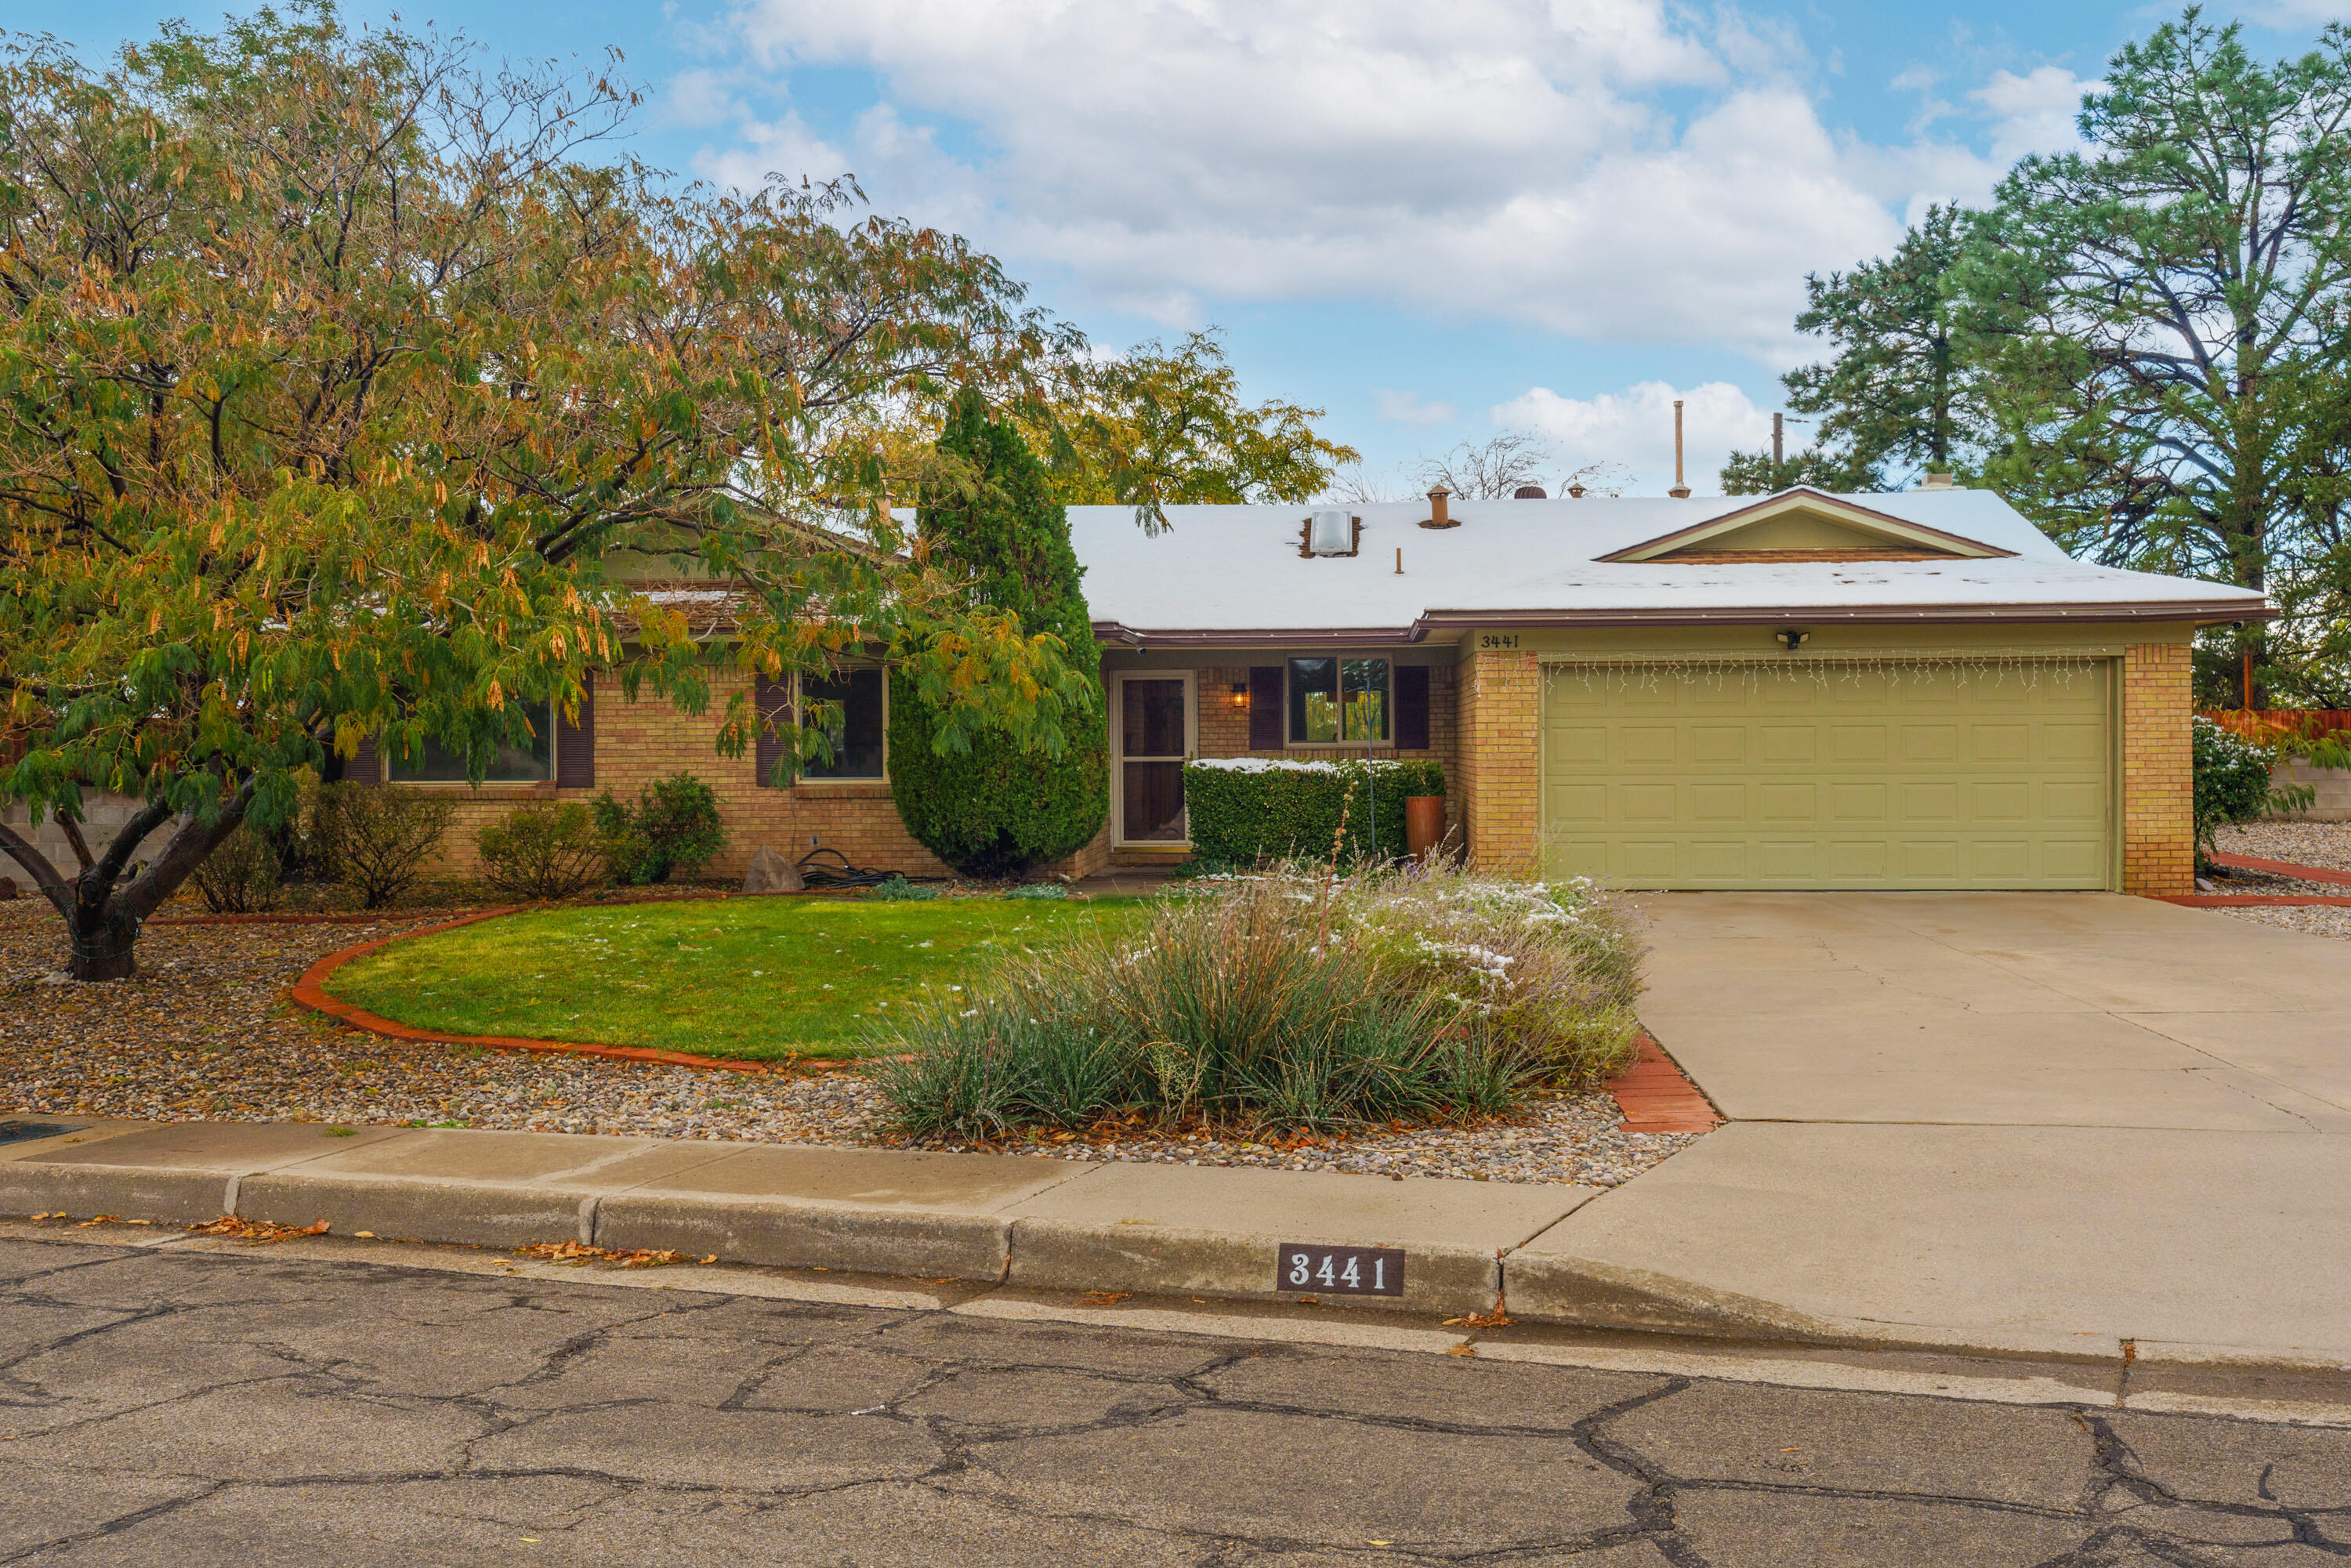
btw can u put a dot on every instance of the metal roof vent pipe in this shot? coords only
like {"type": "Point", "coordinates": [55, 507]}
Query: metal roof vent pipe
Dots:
{"type": "Point", "coordinates": [1680, 492]}
{"type": "Point", "coordinates": [1438, 517]}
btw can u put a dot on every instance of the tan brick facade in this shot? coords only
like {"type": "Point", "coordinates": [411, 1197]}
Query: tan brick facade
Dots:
{"type": "Point", "coordinates": [2158, 770]}
{"type": "Point", "coordinates": [1500, 783]}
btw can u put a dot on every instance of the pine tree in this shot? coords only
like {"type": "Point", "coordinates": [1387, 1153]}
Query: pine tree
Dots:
{"type": "Point", "coordinates": [997, 809]}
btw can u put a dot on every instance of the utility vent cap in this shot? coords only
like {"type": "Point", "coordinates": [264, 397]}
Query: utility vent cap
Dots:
{"type": "Point", "coordinates": [1331, 532]}
{"type": "Point", "coordinates": [1529, 493]}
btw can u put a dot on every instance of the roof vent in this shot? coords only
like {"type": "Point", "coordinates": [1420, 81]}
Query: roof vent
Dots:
{"type": "Point", "coordinates": [1936, 482]}
{"type": "Point", "coordinates": [1330, 532]}
{"type": "Point", "coordinates": [1530, 493]}
{"type": "Point", "coordinates": [1438, 517]}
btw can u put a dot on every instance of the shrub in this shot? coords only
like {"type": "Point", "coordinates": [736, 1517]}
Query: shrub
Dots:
{"type": "Point", "coordinates": [543, 851]}
{"type": "Point", "coordinates": [998, 810]}
{"type": "Point", "coordinates": [376, 838]}
{"type": "Point", "coordinates": [674, 826]}
{"type": "Point", "coordinates": [1277, 1002]}
{"type": "Point", "coordinates": [1245, 811]}
{"type": "Point", "coordinates": [2232, 781]}
{"type": "Point", "coordinates": [242, 875]}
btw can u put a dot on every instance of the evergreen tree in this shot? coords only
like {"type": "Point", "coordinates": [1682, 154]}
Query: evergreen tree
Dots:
{"type": "Point", "coordinates": [997, 809]}
{"type": "Point", "coordinates": [1896, 395]}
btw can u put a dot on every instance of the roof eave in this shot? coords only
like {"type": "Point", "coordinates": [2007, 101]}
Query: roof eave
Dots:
{"type": "Point", "coordinates": [2199, 611]}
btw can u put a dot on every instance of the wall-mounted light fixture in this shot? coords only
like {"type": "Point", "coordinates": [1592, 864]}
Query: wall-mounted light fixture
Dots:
{"type": "Point", "coordinates": [1240, 696]}
{"type": "Point", "coordinates": [1791, 639]}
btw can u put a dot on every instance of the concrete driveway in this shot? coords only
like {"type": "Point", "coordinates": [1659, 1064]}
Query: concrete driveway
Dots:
{"type": "Point", "coordinates": [2027, 1122]}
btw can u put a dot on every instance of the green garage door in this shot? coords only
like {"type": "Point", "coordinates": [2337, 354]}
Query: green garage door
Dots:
{"type": "Point", "coordinates": [1877, 776]}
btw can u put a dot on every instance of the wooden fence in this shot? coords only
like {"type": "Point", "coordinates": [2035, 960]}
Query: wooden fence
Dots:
{"type": "Point", "coordinates": [2266, 724]}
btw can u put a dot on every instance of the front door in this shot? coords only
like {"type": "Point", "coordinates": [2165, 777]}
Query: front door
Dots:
{"type": "Point", "coordinates": [1154, 733]}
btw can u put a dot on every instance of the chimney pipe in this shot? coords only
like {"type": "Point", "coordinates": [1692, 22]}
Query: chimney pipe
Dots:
{"type": "Point", "coordinates": [1437, 517]}
{"type": "Point", "coordinates": [1680, 492]}
{"type": "Point", "coordinates": [1779, 441]}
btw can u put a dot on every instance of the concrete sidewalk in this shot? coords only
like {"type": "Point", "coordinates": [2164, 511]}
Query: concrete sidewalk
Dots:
{"type": "Point", "coordinates": [1049, 1224]}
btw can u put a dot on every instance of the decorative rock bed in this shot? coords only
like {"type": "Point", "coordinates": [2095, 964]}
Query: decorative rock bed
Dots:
{"type": "Point", "coordinates": [204, 1032]}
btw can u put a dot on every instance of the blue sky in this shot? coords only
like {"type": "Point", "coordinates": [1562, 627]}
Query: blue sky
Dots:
{"type": "Point", "coordinates": [1435, 221]}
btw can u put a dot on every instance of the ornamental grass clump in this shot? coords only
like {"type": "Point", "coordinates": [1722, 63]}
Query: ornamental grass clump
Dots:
{"type": "Point", "coordinates": [1276, 1003]}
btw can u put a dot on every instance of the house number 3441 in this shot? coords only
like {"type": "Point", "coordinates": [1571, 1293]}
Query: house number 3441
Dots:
{"type": "Point", "coordinates": [1497, 640]}
{"type": "Point", "coordinates": [1339, 1270]}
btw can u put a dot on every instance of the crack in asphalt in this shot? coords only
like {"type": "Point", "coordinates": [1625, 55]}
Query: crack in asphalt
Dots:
{"type": "Point", "coordinates": [1057, 1383]}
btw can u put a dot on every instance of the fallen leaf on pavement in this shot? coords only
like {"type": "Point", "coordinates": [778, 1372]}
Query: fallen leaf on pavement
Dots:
{"type": "Point", "coordinates": [1106, 1298]}
{"type": "Point", "coordinates": [575, 1255]}
{"type": "Point", "coordinates": [256, 1232]}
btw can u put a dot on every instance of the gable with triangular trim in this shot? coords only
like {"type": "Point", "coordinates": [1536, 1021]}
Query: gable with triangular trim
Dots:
{"type": "Point", "coordinates": [1805, 525]}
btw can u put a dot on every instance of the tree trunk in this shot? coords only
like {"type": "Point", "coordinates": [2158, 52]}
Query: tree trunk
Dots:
{"type": "Point", "coordinates": [104, 939]}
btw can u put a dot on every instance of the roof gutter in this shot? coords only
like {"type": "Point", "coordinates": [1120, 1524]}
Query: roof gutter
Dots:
{"type": "Point", "coordinates": [2200, 611]}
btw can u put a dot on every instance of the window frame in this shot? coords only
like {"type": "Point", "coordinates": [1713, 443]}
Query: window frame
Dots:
{"type": "Point", "coordinates": [1289, 713]}
{"type": "Point", "coordinates": [388, 764]}
{"type": "Point", "coordinates": [800, 775]}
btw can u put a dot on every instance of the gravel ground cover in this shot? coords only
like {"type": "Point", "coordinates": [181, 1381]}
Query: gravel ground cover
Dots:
{"type": "Point", "coordinates": [203, 1033]}
{"type": "Point", "coordinates": [2325, 845]}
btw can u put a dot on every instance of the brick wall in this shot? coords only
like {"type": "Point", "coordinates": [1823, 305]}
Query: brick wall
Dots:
{"type": "Point", "coordinates": [1500, 703]}
{"type": "Point", "coordinates": [2158, 772]}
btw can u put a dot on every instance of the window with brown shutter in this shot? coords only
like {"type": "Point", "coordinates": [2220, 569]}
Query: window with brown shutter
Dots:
{"type": "Point", "coordinates": [575, 741]}
{"type": "Point", "coordinates": [1411, 707]}
{"type": "Point", "coordinates": [1265, 707]}
{"type": "Point", "coordinates": [774, 700]}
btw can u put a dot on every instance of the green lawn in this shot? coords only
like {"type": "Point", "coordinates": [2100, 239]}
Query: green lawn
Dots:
{"type": "Point", "coordinates": [747, 978]}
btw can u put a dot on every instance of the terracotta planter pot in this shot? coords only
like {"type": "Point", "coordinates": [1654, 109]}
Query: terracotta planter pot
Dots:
{"type": "Point", "coordinates": [1424, 824]}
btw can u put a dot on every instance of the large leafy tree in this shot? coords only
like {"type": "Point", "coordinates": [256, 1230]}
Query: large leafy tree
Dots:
{"type": "Point", "coordinates": [1159, 426]}
{"type": "Point", "coordinates": [2156, 318]}
{"type": "Point", "coordinates": [1897, 395]}
{"type": "Point", "coordinates": [997, 809]}
{"type": "Point", "coordinates": [333, 374]}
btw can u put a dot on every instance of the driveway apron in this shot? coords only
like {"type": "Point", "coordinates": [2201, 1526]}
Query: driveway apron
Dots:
{"type": "Point", "coordinates": [2036, 1122]}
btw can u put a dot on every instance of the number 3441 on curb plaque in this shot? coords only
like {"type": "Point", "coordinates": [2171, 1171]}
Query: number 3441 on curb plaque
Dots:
{"type": "Point", "coordinates": [1339, 1270]}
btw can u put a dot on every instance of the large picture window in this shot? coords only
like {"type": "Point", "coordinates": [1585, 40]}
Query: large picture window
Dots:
{"type": "Point", "coordinates": [1333, 701]}
{"type": "Point", "coordinates": [532, 762]}
{"type": "Point", "coordinates": [856, 728]}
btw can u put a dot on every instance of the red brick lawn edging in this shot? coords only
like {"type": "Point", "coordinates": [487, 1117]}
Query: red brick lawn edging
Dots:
{"type": "Point", "coordinates": [309, 993]}
{"type": "Point", "coordinates": [2268, 900]}
{"type": "Point", "coordinates": [2285, 868]}
{"type": "Point", "coordinates": [1655, 1096]}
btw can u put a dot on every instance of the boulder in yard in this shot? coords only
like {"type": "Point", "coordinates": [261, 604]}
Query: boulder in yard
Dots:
{"type": "Point", "coordinates": [771, 873]}
{"type": "Point", "coordinates": [7, 888]}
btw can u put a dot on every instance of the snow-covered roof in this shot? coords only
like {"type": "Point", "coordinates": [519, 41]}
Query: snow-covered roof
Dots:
{"type": "Point", "coordinates": [1218, 574]}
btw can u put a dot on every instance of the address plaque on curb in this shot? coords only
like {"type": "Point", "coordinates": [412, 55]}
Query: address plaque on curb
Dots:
{"type": "Point", "coordinates": [1339, 1270]}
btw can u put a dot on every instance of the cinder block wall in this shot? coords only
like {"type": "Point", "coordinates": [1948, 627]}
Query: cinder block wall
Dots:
{"type": "Point", "coordinates": [2332, 786]}
{"type": "Point", "coordinates": [1500, 709]}
{"type": "Point", "coordinates": [2158, 770]}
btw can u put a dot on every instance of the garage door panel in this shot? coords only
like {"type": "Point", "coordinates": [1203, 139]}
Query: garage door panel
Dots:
{"type": "Point", "coordinates": [1932, 802]}
{"type": "Point", "coordinates": [1718, 802]}
{"type": "Point", "coordinates": [1787, 777]}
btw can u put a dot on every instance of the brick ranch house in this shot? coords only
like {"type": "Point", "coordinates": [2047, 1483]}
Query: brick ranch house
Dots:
{"type": "Point", "coordinates": [1806, 691]}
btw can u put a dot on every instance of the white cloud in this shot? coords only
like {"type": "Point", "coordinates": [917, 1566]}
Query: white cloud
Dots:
{"type": "Point", "coordinates": [2033, 113]}
{"type": "Point", "coordinates": [1517, 159]}
{"type": "Point", "coordinates": [1636, 427]}
{"type": "Point", "coordinates": [1407, 408]}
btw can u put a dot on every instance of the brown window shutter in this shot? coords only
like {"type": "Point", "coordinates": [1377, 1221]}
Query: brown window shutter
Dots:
{"type": "Point", "coordinates": [1411, 682]}
{"type": "Point", "coordinates": [774, 700]}
{"type": "Point", "coordinates": [1265, 707]}
{"type": "Point", "coordinates": [365, 768]}
{"type": "Point", "coordinates": [575, 744]}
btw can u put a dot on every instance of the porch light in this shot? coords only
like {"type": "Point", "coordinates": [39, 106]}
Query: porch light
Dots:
{"type": "Point", "coordinates": [1240, 696]}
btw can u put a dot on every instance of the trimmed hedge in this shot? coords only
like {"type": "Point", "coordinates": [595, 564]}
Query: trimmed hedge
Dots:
{"type": "Point", "coordinates": [1282, 811]}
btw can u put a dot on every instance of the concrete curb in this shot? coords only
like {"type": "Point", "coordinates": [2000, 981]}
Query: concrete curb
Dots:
{"type": "Point", "coordinates": [1471, 1248]}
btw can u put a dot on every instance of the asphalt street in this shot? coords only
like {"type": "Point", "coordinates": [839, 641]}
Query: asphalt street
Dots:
{"type": "Point", "coordinates": [252, 1407]}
